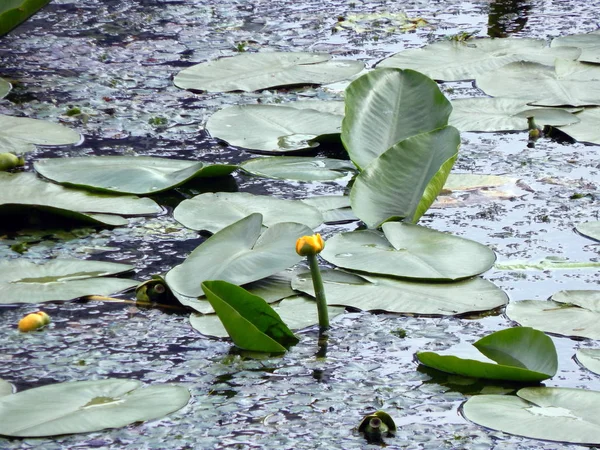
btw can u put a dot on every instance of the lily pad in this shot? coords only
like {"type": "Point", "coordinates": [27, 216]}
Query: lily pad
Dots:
{"type": "Point", "coordinates": [271, 128]}
{"type": "Point", "coordinates": [296, 312]}
{"type": "Point", "coordinates": [214, 211]}
{"type": "Point", "coordinates": [552, 414]}
{"type": "Point", "coordinates": [127, 174]}
{"type": "Point", "coordinates": [255, 71]}
{"type": "Point", "coordinates": [590, 230]}
{"type": "Point", "coordinates": [590, 359]}
{"type": "Point", "coordinates": [409, 251]}
{"type": "Point", "coordinates": [567, 313]}
{"type": "Point", "coordinates": [6, 388]}
{"type": "Point", "coordinates": [386, 106]}
{"type": "Point", "coordinates": [586, 130]}
{"type": "Point", "coordinates": [14, 12]}
{"type": "Point", "coordinates": [503, 114]}
{"type": "Point", "coordinates": [335, 208]}
{"type": "Point", "coordinates": [299, 168]}
{"type": "Point", "coordinates": [23, 281]}
{"type": "Point", "coordinates": [558, 85]}
{"type": "Point", "coordinates": [517, 354]}
{"type": "Point", "coordinates": [547, 264]}
{"type": "Point", "coordinates": [5, 87]}
{"type": "Point", "coordinates": [19, 134]}
{"type": "Point", "coordinates": [589, 44]}
{"type": "Point", "coordinates": [86, 406]}
{"type": "Point", "coordinates": [373, 293]}
{"type": "Point", "coordinates": [454, 61]}
{"type": "Point", "coordinates": [403, 182]}
{"type": "Point", "coordinates": [238, 254]}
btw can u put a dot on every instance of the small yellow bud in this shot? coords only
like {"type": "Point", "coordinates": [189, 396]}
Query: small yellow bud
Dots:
{"type": "Point", "coordinates": [310, 245]}
{"type": "Point", "coordinates": [45, 317]}
{"type": "Point", "coordinates": [31, 322]}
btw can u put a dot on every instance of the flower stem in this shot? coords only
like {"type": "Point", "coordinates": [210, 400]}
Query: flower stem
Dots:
{"type": "Point", "coordinates": [315, 273]}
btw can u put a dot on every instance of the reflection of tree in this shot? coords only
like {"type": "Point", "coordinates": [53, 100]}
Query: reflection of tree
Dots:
{"type": "Point", "coordinates": [507, 16]}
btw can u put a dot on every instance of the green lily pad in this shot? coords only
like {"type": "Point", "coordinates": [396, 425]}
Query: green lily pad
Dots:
{"type": "Point", "coordinates": [5, 87]}
{"type": "Point", "coordinates": [127, 174]}
{"type": "Point", "coordinates": [373, 293]}
{"type": "Point", "coordinates": [14, 12]}
{"type": "Point", "coordinates": [409, 251]}
{"type": "Point", "coordinates": [454, 61]}
{"type": "Point", "coordinates": [238, 254]}
{"type": "Point", "coordinates": [86, 406]}
{"type": "Point", "coordinates": [299, 168]}
{"type": "Point", "coordinates": [23, 281]}
{"type": "Point", "coordinates": [404, 181]}
{"type": "Point", "coordinates": [386, 106]}
{"type": "Point", "coordinates": [590, 359]}
{"type": "Point", "coordinates": [296, 312]}
{"type": "Point", "coordinates": [567, 313]}
{"type": "Point", "coordinates": [19, 134]}
{"type": "Point", "coordinates": [255, 71]}
{"type": "Point", "coordinates": [588, 43]}
{"type": "Point", "coordinates": [334, 208]}
{"type": "Point", "coordinates": [586, 130]}
{"type": "Point", "coordinates": [6, 388]}
{"type": "Point", "coordinates": [565, 83]}
{"type": "Point", "coordinates": [214, 211]}
{"type": "Point", "coordinates": [552, 414]}
{"type": "Point", "coordinates": [503, 114]}
{"type": "Point", "coordinates": [517, 354]}
{"type": "Point", "coordinates": [271, 128]}
{"type": "Point", "coordinates": [590, 230]}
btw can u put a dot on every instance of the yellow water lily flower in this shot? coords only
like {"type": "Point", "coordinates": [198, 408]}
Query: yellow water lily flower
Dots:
{"type": "Point", "coordinates": [33, 321]}
{"type": "Point", "coordinates": [310, 245]}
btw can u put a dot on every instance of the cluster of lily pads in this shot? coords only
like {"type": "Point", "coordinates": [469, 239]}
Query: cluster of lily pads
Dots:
{"type": "Point", "coordinates": [397, 128]}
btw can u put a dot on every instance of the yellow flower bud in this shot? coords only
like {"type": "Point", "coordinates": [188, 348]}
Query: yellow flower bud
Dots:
{"type": "Point", "coordinates": [31, 322]}
{"type": "Point", "coordinates": [45, 317]}
{"type": "Point", "coordinates": [310, 245]}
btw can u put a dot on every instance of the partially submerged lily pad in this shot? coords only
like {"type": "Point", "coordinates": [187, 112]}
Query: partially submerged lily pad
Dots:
{"type": "Point", "coordinates": [589, 358]}
{"type": "Point", "coordinates": [86, 406]}
{"type": "Point", "coordinates": [127, 174]}
{"type": "Point", "coordinates": [255, 71]}
{"type": "Point", "coordinates": [589, 44]}
{"type": "Point", "coordinates": [5, 87]}
{"type": "Point", "coordinates": [590, 230]}
{"type": "Point", "coordinates": [586, 130]}
{"type": "Point", "coordinates": [552, 414]}
{"type": "Point", "coordinates": [21, 134]}
{"type": "Point", "coordinates": [299, 168]}
{"type": "Point", "coordinates": [6, 388]}
{"type": "Point", "coordinates": [23, 281]}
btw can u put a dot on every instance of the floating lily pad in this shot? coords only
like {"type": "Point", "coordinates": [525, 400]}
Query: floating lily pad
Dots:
{"type": "Point", "coordinates": [379, 22]}
{"type": "Point", "coordinates": [590, 229]}
{"type": "Point", "coordinates": [590, 359]}
{"type": "Point", "coordinates": [551, 414]}
{"type": "Point", "coordinates": [453, 61]}
{"type": "Point", "coordinates": [404, 181]}
{"type": "Point", "coordinates": [271, 128]}
{"type": "Point", "coordinates": [409, 251]}
{"type": "Point", "coordinates": [214, 211]}
{"type": "Point", "coordinates": [586, 130]}
{"type": "Point", "coordinates": [238, 254]}
{"type": "Point", "coordinates": [127, 174]}
{"type": "Point", "coordinates": [6, 388]}
{"type": "Point", "coordinates": [14, 12]}
{"type": "Point", "coordinates": [372, 293]}
{"type": "Point", "coordinates": [515, 354]}
{"type": "Point", "coordinates": [23, 281]}
{"type": "Point", "coordinates": [297, 312]}
{"type": "Point", "coordinates": [299, 168]}
{"type": "Point", "coordinates": [386, 106]}
{"type": "Point", "coordinates": [335, 208]}
{"type": "Point", "coordinates": [19, 134]}
{"type": "Point", "coordinates": [588, 43]}
{"type": "Point", "coordinates": [255, 71]}
{"type": "Point", "coordinates": [86, 406]}
{"type": "Point", "coordinates": [503, 114]}
{"type": "Point", "coordinates": [568, 313]}
{"type": "Point", "coordinates": [5, 87]}
{"type": "Point", "coordinates": [565, 83]}
{"type": "Point", "coordinates": [547, 264]}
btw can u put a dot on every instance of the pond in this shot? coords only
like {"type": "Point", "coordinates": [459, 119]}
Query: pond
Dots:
{"type": "Point", "coordinates": [114, 60]}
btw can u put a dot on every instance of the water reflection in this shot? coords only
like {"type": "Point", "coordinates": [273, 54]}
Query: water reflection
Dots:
{"type": "Point", "coordinates": [507, 17]}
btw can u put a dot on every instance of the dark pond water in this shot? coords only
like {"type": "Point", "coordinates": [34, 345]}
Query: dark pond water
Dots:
{"type": "Point", "coordinates": [115, 61]}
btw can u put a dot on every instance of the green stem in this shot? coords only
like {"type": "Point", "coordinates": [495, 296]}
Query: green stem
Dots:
{"type": "Point", "coordinates": [315, 273]}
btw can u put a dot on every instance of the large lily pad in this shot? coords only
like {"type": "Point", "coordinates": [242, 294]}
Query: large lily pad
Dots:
{"type": "Point", "coordinates": [23, 281]}
{"type": "Point", "coordinates": [238, 254]}
{"type": "Point", "coordinates": [590, 359]}
{"type": "Point", "coordinates": [5, 87]}
{"type": "Point", "coordinates": [6, 388]}
{"type": "Point", "coordinates": [409, 251]}
{"type": "Point", "coordinates": [590, 229]}
{"type": "Point", "coordinates": [586, 130]}
{"type": "Point", "coordinates": [335, 208]}
{"type": "Point", "coordinates": [86, 406]}
{"type": "Point", "coordinates": [503, 114]}
{"type": "Point", "coordinates": [568, 313]}
{"type": "Point", "coordinates": [272, 128]}
{"type": "Point", "coordinates": [299, 168]}
{"type": "Point", "coordinates": [566, 83]}
{"type": "Point", "coordinates": [373, 293]}
{"type": "Point", "coordinates": [552, 414]}
{"type": "Point", "coordinates": [404, 181]}
{"type": "Point", "coordinates": [386, 106]}
{"type": "Point", "coordinates": [214, 211]}
{"type": "Point", "coordinates": [453, 61]}
{"type": "Point", "coordinates": [19, 134]}
{"type": "Point", "coordinates": [127, 174]}
{"type": "Point", "coordinates": [14, 12]}
{"type": "Point", "coordinates": [254, 71]}
{"type": "Point", "coordinates": [589, 44]}
{"type": "Point", "coordinates": [515, 354]}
